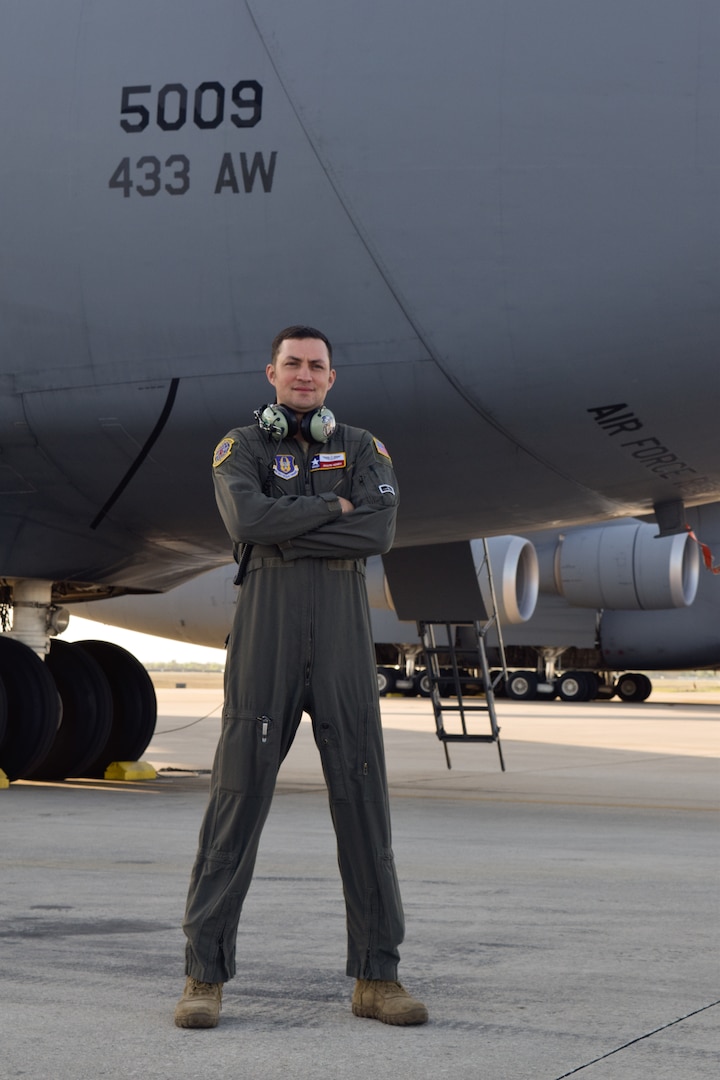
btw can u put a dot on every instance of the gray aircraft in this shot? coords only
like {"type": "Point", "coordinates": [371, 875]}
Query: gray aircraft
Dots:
{"type": "Point", "coordinates": [505, 217]}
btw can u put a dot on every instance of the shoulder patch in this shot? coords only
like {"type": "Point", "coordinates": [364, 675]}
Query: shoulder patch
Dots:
{"type": "Point", "coordinates": [222, 451]}
{"type": "Point", "coordinates": [380, 447]}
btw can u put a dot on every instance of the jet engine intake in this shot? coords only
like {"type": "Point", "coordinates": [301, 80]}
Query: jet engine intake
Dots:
{"type": "Point", "coordinates": [515, 574]}
{"type": "Point", "coordinates": [377, 585]}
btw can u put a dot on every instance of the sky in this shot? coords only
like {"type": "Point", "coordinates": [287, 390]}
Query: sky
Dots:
{"type": "Point", "coordinates": [146, 647]}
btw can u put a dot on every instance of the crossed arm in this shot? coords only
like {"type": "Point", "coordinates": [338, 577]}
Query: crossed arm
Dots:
{"type": "Point", "coordinates": [323, 526]}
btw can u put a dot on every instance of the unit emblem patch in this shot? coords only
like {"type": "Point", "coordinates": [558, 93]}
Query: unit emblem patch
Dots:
{"type": "Point", "coordinates": [380, 447]}
{"type": "Point", "coordinates": [222, 451]}
{"type": "Point", "coordinates": [328, 461]}
{"type": "Point", "coordinates": [285, 466]}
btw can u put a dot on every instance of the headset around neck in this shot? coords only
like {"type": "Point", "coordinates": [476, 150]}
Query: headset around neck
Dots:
{"type": "Point", "coordinates": [280, 423]}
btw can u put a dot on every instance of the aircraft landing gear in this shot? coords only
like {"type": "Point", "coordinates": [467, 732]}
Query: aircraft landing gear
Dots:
{"type": "Point", "coordinates": [3, 712]}
{"type": "Point", "coordinates": [33, 709]}
{"type": "Point", "coordinates": [577, 686]}
{"type": "Point", "coordinates": [386, 680]}
{"type": "Point", "coordinates": [134, 706]}
{"type": "Point", "coordinates": [633, 687]}
{"type": "Point", "coordinates": [87, 713]}
{"type": "Point", "coordinates": [522, 686]}
{"type": "Point", "coordinates": [89, 704]}
{"type": "Point", "coordinates": [66, 709]}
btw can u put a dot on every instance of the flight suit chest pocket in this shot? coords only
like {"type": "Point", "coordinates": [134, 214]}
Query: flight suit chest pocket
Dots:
{"type": "Point", "coordinates": [248, 754]}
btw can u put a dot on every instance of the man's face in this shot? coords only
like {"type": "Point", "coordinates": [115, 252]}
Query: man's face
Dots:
{"type": "Point", "coordinates": [301, 374]}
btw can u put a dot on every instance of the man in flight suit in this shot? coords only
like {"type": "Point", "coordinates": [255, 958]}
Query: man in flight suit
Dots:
{"type": "Point", "coordinates": [304, 501]}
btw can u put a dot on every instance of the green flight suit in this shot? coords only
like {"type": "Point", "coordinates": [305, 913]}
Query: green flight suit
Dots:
{"type": "Point", "coordinates": [301, 641]}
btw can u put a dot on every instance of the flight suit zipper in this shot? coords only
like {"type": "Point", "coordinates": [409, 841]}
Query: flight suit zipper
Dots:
{"type": "Point", "coordinates": [311, 643]}
{"type": "Point", "coordinates": [309, 490]}
{"type": "Point", "coordinates": [365, 768]}
{"type": "Point", "coordinates": [307, 474]}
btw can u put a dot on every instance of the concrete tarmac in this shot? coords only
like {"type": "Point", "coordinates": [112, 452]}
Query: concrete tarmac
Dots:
{"type": "Point", "coordinates": [562, 917]}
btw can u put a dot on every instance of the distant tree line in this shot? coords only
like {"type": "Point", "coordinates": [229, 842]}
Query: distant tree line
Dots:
{"type": "Point", "coordinates": [184, 665]}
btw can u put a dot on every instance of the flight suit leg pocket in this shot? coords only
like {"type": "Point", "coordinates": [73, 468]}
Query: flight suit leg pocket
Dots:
{"type": "Point", "coordinates": [391, 928]}
{"type": "Point", "coordinates": [371, 756]}
{"type": "Point", "coordinates": [249, 754]}
{"type": "Point", "coordinates": [331, 755]}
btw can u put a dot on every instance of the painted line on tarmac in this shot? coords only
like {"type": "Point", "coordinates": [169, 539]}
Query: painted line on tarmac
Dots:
{"type": "Point", "coordinates": [663, 1027]}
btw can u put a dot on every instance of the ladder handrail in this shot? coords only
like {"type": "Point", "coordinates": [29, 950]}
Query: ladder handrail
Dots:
{"type": "Point", "coordinates": [426, 630]}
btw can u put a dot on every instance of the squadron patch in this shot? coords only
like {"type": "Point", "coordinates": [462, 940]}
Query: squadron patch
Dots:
{"type": "Point", "coordinates": [285, 466]}
{"type": "Point", "coordinates": [328, 461]}
{"type": "Point", "coordinates": [222, 451]}
{"type": "Point", "coordinates": [380, 447]}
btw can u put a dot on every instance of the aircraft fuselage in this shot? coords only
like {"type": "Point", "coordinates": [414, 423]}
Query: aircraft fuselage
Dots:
{"type": "Point", "coordinates": [505, 217]}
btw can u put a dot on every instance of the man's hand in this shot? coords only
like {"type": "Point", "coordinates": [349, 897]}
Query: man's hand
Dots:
{"type": "Point", "coordinates": [345, 505]}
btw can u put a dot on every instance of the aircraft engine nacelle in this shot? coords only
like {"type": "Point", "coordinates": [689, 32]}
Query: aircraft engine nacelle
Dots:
{"type": "Point", "coordinates": [515, 574]}
{"type": "Point", "coordinates": [377, 585]}
{"type": "Point", "coordinates": [626, 567]}
{"type": "Point", "coordinates": [669, 640]}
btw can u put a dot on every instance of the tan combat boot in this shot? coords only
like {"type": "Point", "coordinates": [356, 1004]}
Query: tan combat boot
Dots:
{"type": "Point", "coordinates": [199, 1007]}
{"type": "Point", "coordinates": [387, 1001]}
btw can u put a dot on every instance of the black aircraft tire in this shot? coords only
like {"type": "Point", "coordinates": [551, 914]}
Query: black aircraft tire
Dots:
{"type": "Point", "coordinates": [423, 684]}
{"type": "Point", "coordinates": [521, 685]}
{"type": "Point", "coordinates": [386, 677]}
{"type": "Point", "coordinates": [87, 713]}
{"type": "Point", "coordinates": [633, 687]}
{"type": "Point", "coordinates": [576, 686]}
{"type": "Point", "coordinates": [134, 705]}
{"type": "Point", "coordinates": [33, 709]}
{"type": "Point", "coordinates": [3, 716]}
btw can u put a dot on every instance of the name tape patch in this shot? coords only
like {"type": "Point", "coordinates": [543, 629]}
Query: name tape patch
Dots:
{"type": "Point", "coordinates": [328, 461]}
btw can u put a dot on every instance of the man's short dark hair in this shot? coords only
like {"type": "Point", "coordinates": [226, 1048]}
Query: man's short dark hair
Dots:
{"type": "Point", "coordinates": [298, 333]}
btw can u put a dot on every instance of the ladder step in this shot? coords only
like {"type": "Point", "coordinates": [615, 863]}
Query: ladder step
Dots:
{"type": "Point", "coordinates": [445, 737]}
{"type": "Point", "coordinates": [460, 671]}
{"type": "Point", "coordinates": [464, 708]}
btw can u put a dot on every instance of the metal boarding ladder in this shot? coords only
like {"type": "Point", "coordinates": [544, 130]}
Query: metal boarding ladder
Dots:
{"type": "Point", "coordinates": [460, 659]}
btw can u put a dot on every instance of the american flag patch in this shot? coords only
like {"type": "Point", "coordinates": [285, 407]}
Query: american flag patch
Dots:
{"type": "Point", "coordinates": [380, 447]}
